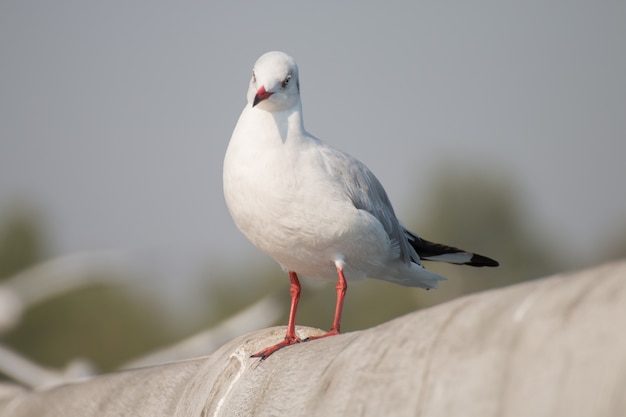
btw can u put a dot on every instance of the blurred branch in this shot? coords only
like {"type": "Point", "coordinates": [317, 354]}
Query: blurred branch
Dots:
{"type": "Point", "coordinates": [20, 369]}
{"type": "Point", "coordinates": [61, 275]}
{"type": "Point", "coordinates": [32, 375]}
{"type": "Point", "coordinates": [258, 315]}
{"type": "Point", "coordinates": [40, 283]}
{"type": "Point", "coordinates": [56, 277]}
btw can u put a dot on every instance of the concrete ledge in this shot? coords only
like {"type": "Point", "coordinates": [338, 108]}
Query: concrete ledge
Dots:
{"type": "Point", "coordinates": [551, 347]}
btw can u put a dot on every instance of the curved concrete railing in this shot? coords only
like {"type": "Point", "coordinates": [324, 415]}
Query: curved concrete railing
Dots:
{"type": "Point", "coordinates": [551, 347]}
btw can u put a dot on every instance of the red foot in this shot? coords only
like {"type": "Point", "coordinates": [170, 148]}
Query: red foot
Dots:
{"type": "Point", "coordinates": [265, 353]}
{"type": "Point", "coordinates": [332, 332]}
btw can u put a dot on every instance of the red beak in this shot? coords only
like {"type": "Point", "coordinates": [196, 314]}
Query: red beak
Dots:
{"type": "Point", "coordinates": [260, 96]}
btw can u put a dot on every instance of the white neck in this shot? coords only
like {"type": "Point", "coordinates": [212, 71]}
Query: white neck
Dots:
{"type": "Point", "coordinates": [286, 124]}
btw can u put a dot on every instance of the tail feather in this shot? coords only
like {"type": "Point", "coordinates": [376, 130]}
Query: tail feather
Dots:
{"type": "Point", "coordinates": [430, 251]}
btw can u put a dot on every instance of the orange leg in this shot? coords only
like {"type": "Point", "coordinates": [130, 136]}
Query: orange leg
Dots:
{"type": "Point", "coordinates": [291, 337]}
{"type": "Point", "coordinates": [341, 287]}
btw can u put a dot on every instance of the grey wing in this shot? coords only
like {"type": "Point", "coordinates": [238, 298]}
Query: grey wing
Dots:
{"type": "Point", "coordinates": [367, 193]}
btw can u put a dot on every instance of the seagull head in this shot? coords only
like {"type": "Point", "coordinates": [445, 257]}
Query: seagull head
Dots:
{"type": "Point", "coordinates": [274, 85]}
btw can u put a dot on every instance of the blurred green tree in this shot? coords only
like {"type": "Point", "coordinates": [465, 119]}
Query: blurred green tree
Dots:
{"type": "Point", "coordinates": [483, 210]}
{"type": "Point", "coordinates": [107, 324]}
{"type": "Point", "coordinates": [102, 323]}
{"type": "Point", "coordinates": [21, 239]}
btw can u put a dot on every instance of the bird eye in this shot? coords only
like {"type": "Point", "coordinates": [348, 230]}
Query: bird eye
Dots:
{"type": "Point", "coordinates": [286, 81]}
{"type": "Point", "coordinates": [253, 77]}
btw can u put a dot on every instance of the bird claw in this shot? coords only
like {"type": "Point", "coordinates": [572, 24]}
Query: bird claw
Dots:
{"type": "Point", "coordinates": [332, 332]}
{"type": "Point", "coordinates": [265, 353]}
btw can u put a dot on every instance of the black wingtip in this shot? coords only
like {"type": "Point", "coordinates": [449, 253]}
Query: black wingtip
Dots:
{"type": "Point", "coordinates": [479, 260]}
{"type": "Point", "coordinates": [430, 251]}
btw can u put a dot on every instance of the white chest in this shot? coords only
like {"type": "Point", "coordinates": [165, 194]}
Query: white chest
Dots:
{"type": "Point", "coordinates": [284, 199]}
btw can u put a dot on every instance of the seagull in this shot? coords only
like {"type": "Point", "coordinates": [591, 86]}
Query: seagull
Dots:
{"type": "Point", "coordinates": [316, 210]}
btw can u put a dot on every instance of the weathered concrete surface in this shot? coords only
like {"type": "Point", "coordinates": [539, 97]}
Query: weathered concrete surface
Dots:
{"type": "Point", "coordinates": [551, 347]}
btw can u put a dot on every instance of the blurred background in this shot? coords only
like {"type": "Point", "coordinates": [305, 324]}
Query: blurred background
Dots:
{"type": "Point", "coordinates": [499, 127]}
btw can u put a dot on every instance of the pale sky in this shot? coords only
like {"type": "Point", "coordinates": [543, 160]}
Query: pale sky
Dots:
{"type": "Point", "coordinates": [115, 116]}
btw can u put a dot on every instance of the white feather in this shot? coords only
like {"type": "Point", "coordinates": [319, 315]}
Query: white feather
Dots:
{"type": "Point", "coordinates": [304, 203]}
